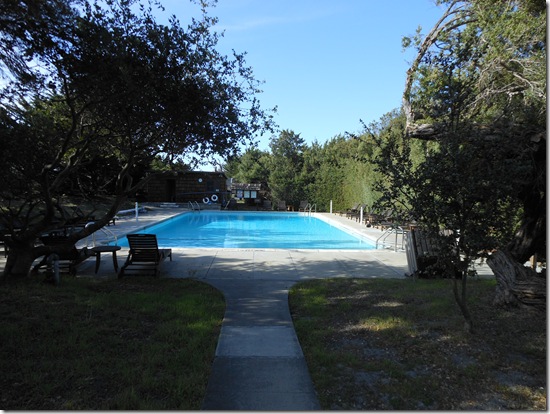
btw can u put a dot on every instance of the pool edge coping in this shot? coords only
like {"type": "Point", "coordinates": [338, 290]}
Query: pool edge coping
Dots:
{"type": "Point", "coordinates": [316, 215]}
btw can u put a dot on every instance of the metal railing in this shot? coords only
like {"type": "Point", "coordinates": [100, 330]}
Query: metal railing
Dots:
{"type": "Point", "coordinates": [110, 235]}
{"type": "Point", "coordinates": [397, 230]}
{"type": "Point", "coordinates": [310, 208]}
{"type": "Point", "coordinates": [194, 206]}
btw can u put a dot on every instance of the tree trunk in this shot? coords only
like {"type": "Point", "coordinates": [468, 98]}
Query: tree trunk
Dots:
{"type": "Point", "coordinates": [462, 301]}
{"type": "Point", "coordinates": [530, 237]}
{"type": "Point", "coordinates": [19, 262]}
{"type": "Point", "coordinates": [517, 285]}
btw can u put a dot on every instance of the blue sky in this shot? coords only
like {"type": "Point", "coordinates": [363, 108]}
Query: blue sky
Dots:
{"type": "Point", "coordinates": [326, 63]}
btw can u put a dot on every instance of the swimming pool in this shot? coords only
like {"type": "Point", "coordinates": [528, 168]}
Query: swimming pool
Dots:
{"type": "Point", "coordinates": [261, 230]}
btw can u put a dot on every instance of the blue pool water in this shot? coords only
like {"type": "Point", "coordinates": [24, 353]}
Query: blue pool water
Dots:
{"type": "Point", "coordinates": [270, 230]}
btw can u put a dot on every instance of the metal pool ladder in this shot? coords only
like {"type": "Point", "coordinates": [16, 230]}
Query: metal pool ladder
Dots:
{"type": "Point", "coordinates": [397, 230]}
{"type": "Point", "coordinates": [193, 205]}
{"type": "Point", "coordinates": [110, 235]}
{"type": "Point", "coordinates": [310, 208]}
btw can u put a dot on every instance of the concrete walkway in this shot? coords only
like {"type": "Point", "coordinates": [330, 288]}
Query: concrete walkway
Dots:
{"type": "Point", "coordinates": [259, 364]}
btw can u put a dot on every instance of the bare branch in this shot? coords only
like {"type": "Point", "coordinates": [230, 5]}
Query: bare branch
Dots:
{"type": "Point", "coordinates": [441, 25]}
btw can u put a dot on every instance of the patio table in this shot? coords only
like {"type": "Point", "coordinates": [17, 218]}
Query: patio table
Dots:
{"type": "Point", "coordinates": [105, 249]}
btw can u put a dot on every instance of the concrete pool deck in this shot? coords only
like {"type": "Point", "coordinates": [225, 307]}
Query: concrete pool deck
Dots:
{"type": "Point", "coordinates": [259, 364]}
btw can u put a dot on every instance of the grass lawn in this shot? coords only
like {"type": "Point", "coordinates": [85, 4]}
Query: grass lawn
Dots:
{"type": "Point", "coordinates": [400, 345]}
{"type": "Point", "coordinates": [133, 344]}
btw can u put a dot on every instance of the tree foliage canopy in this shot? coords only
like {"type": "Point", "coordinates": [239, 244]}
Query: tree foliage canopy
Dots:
{"type": "Point", "coordinates": [99, 90]}
{"type": "Point", "coordinates": [477, 90]}
{"type": "Point", "coordinates": [478, 86]}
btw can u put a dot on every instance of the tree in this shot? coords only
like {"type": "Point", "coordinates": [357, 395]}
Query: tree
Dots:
{"type": "Point", "coordinates": [329, 178]}
{"type": "Point", "coordinates": [478, 84]}
{"type": "Point", "coordinates": [250, 167]}
{"type": "Point", "coordinates": [342, 171]}
{"type": "Point", "coordinates": [451, 193]}
{"type": "Point", "coordinates": [31, 29]}
{"type": "Point", "coordinates": [109, 98]}
{"type": "Point", "coordinates": [287, 160]}
{"type": "Point", "coordinates": [309, 177]}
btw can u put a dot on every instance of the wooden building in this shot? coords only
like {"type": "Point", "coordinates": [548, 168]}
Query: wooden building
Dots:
{"type": "Point", "coordinates": [182, 187]}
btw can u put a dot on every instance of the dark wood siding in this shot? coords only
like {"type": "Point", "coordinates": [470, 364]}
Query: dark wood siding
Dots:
{"type": "Point", "coordinates": [188, 186]}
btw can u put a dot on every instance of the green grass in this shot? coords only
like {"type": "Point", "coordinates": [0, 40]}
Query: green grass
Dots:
{"type": "Point", "coordinates": [400, 345]}
{"type": "Point", "coordinates": [139, 343]}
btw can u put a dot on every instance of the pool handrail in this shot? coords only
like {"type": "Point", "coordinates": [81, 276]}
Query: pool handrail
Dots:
{"type": "Point", "coordinates": [106, 231]}
{"type": "Point", "coordinates": [310, 208]}
{"type": "Point", "coordinates": [397, 230]}
{"type": "Point", "coordinates": [191, 206]}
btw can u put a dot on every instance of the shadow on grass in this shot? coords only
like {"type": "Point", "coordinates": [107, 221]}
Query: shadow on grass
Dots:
{"type": "Point", "coordinates": [138, 343]}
